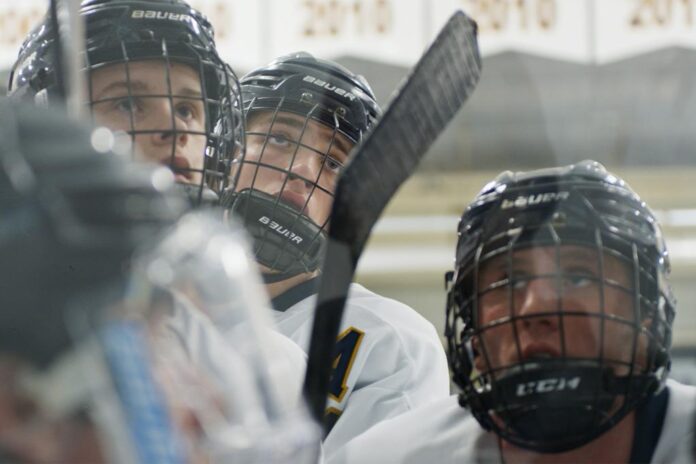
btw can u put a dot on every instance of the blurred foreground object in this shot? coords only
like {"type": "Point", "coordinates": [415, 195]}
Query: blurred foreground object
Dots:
{"type": "Point", "coordinates": [87, 375]}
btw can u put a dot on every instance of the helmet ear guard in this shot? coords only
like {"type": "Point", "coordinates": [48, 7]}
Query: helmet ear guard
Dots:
{"type": "Point", "coordinates": [579, 398]}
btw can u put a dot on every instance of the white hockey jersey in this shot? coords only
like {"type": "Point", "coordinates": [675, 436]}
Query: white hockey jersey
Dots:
{"type": "Point", "coordinates": [206, 346]}
{"type": "Point", "coordinates": [443, 432]}
{"type": "Point", "coordinates": [391, 359]}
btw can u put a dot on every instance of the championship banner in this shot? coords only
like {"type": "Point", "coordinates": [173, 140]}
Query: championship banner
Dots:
{"type": "Point", "coordinates": [16, 20]}
{"type": "Point", "coordinates": [551, 28]}
{"type": "Point", "coordinates": [240, 30]}
{"type": "Point", "coordinates": [625, 28]}
{"type": "Point", "coordinates": [251, 33]}
{"type": "Point", "coordinates": [390, 31]}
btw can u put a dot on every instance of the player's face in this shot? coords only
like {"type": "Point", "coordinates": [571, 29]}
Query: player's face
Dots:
{"type": "Point", "coordinates": [160, 105]}
{"type": "Point", "coordinates": [557, 308]}
{"type": "Point", "coordinates": [294, 160]}
{"type": "Point", "coordinates": [29, 434]}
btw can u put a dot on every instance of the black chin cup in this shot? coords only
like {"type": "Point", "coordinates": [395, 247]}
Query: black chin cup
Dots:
{"type": "Point", "coordinates": [554, 407]}
{"type": "Point", "coordinates": [285, 240]}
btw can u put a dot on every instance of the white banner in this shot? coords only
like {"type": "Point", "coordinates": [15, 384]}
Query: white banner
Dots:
{"type": "Point", "coordinates": [17, 19]}
{"type": "Point", "coordinates": [251, 33]}
{"type": "Point", "coordinates": [552, 28]}
{"type": "Point", "coordinates": [625, 28]}
{"type": "Point", "coordinates": [240, 26]}
{"type": "Point", "coordinates": [383, 30]}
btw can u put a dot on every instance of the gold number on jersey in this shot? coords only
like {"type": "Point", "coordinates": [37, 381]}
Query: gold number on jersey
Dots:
{"type": "Point", "coordinates": [347, 346]}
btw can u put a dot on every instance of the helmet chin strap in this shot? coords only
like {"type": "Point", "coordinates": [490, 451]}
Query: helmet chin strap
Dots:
{"type": "Point", "coordinates": [285, 241]}
{"type": "Point", "coordinates": [273, 277]}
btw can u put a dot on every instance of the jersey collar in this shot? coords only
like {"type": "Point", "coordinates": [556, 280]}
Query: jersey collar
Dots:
{"type": "Point", "coordinates": [295, 294]}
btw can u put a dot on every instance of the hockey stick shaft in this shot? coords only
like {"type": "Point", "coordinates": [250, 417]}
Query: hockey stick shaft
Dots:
{"type": "Point", "coordinates": [69, 54]}
{"type": "Point", "coordinates": [439, 84]}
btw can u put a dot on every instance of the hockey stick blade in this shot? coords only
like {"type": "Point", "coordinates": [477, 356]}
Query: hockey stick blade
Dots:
{"type": "Point", "coordinates": [420, 109]}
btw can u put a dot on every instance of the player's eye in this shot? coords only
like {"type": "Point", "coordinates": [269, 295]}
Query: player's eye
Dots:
{"type": "Point", "coordinates": [519, 282]}
{"type": "Point", "coordinates": [127, 105]}
{"type": "Point", "coordinates": [279, 140]}
{"type": "Point", "coordinates": [190, 110]}
{"type": "Point", "coordinates": [578, 278]}
{"type": "Point", "coordinates": [186, 111]}
{"type": "Point", "coordinates": [333, 164]}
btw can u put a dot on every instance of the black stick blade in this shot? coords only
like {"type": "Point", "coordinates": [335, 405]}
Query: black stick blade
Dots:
{"type": "Point", "coordinates": [427, 100]}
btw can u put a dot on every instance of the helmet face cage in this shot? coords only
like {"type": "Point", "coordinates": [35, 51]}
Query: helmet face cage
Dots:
{"type": "Point", "coordinates": [552, 371]}
{"type": "Point", "coordinates": [162, 83]}
{"type": "Point", "coordinates": [303, 117]}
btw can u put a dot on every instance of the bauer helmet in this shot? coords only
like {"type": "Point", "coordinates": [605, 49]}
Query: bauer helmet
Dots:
{"type": "Point", "coordinates": [304, 115]}
{"type": "Point", "coordinates": [121, 35]}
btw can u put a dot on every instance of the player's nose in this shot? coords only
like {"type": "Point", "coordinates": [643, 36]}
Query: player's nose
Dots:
{"type": "Point", "coordinates": [165, 126]}
{"type": "Point", "coordinates": [540, 302]}
{"type": "Point", "coordinates": [306, 167]}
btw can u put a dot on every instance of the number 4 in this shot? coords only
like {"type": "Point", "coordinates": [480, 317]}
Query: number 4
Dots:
{"type": "Point", "coordinates": [347, 347]}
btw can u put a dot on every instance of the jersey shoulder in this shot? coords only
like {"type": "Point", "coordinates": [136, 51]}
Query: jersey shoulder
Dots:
{"type": "Point", "coordinates": [364, 311]}
{"type": "Point", "coordinates": [440, 431]}
{"type": "Point", "coordinates": [677, 435]}
{"type": "Point", "coordinates": [366, 307]}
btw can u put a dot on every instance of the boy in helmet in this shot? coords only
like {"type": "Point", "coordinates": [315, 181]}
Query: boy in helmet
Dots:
{"type": "Point", "coordinates": [155, 77]}
{"type": "Point", "coordinates": [303, 117]}
{"type": "Point", "coordinates": [559, 324]}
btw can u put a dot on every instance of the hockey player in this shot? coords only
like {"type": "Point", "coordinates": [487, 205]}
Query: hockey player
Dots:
{"type": "Point", "coordinates": [88, 371]}
{"type": "Point", "coordinates": [303, 117]}
{"type": "Point", "coordinates": [559, 326]}
{"type": "Point", "coordinates": [155, 76]}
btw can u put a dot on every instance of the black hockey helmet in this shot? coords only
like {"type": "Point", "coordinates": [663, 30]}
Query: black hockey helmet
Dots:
{"type": "Point", "coordinates": [560, 401]}
{"type": "Point", "coordinates": [73, 217]}
{"type": "Point", "coordinates": [303, 84]}
{"type": "Point", "coordinates": [314, 90]}
{"type": "Point", "coordinates": [127, 31]}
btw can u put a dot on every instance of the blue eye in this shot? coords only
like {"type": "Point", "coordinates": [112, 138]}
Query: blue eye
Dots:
{"type": "Point", "coordinates": [579, 277]}
{"type": "Point", "coordinates": [279, 140]}
{"type": "Point", "coordinates": [577, 281]}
